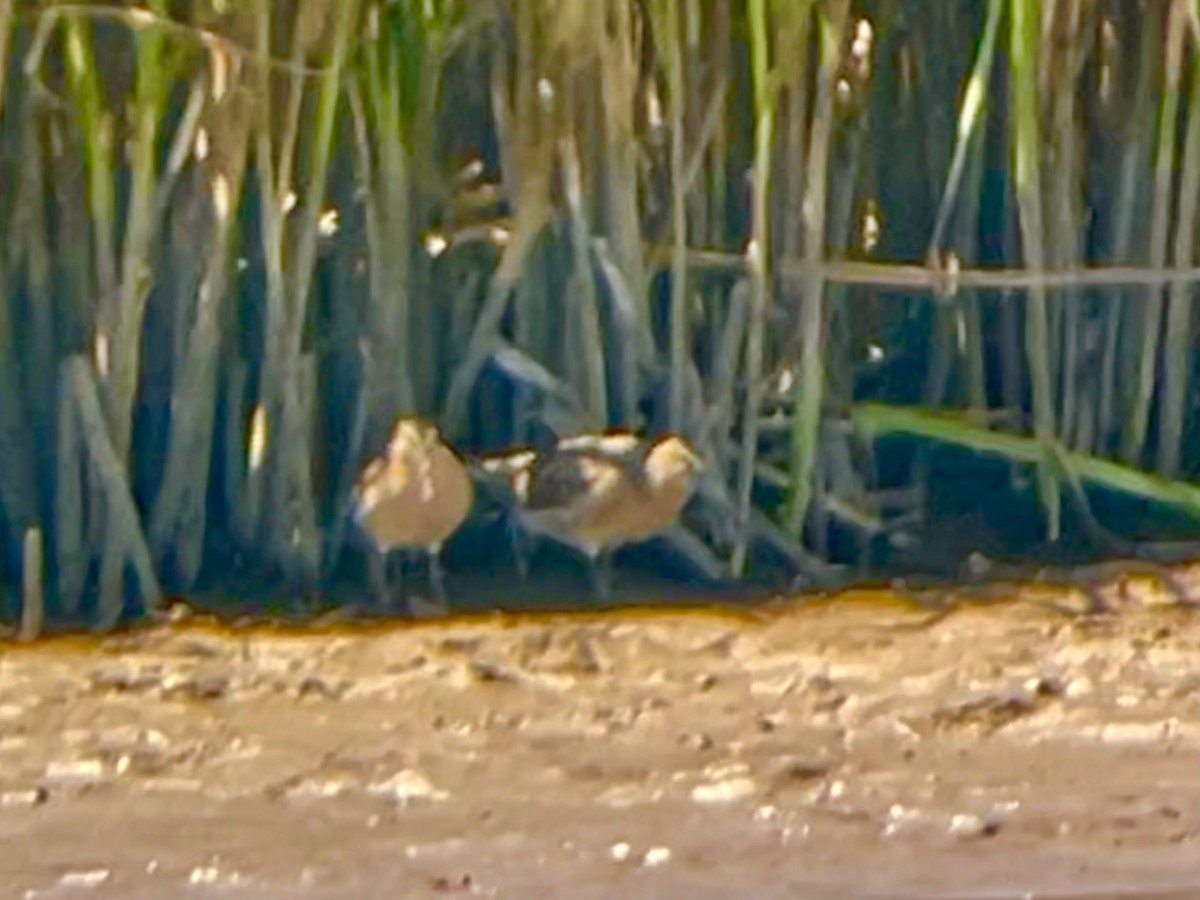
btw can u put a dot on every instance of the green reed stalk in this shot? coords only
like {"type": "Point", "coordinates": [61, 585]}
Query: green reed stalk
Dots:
{"type": "Point", "coordinates": [589, 364]}
{"type": "Point", "coordinates": [1180, 323]}
{"type": "Point", "coordinates": [6, 23]}
{"type": "Point", "coordinates": [1134, 437]}
{"type": "Point", "coordinates": [967, 240]}
{"type": "Point", "coordinates": [1023, 47]}
{"type": "Point", "coordinates": [810, 387]}
{"type": "Point", "coordinates": [764, 129]}
{"type": "Point", "coordinates": [390, 379]}
{"type": "Point", "coordinates": [24, 333]}
{"type": "Point", "coordinates": [618, 95]}
{"type": "Point", "coordinates": [279, 489]}
{"type": "Point", "coordinates": [299, 371]}
{"type": "Point", "coordinates": [718, 147]}
{"type": "Point", "coordinates": [672, 48]}
{"type": "Point", "coordinates": [1127, 214]}
{"type": "Point", "coordinates": [970, 116]}
{"type": "Point", "coordinates": [431, 30]}
{"type": "Point", "coordinates": [124, 539]}
{"type": "Point", "coordinates": [527, 172]}
{"type": "Point", "coordinates": [793, 36]}
{"type": "Point", "coordinates": [265, 423]}
{"type": "Point", "coordinates": [96, 129]}
{"type": "Point", "coordinates": [151, 88]}
{"type": "Point", "coordinates": [1065, 231]}
{"type": "Point", "coordinates": [875, 420]}
{"type": "Point", "coordinates": [122, 296]}
{"type": "Point", "coordinates": [180, 511]}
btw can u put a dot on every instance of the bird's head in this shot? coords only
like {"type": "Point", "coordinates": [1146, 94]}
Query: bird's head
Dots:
{"type": "Point", "coordinates": [672, 460]}
{"type": "Point", "coordinates": [411, 435]}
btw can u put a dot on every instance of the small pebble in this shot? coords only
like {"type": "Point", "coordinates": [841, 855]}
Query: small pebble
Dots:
{"type": "Point", "coordinates": [491, 672]}
{"type": "Point", "coordinates": [769, 722]}
{"type": "Point", "coordinates": [723, 791]}
{"type": "Point", "coordinates": [204, 875]}
{"type": "Point", "coordinates": [619, 851]}
{"type": "Point", "coordinates": [90, 879]}
{"type": "Point", "coordinates": [969, 825]}
{"type": "Point", "coordinates": [1079, 687]}
{"type": "Point", "coordinates": [173, 785]}
{"type": "Point", "coordinates": [656, 856]}
{"type": "Point", "coordinates": [698, 742]}
{"type": "Point", "coordinates": [13, 799]}
{"type": "Point", "coordinates": [313, 789]}
{"type": "Point", "coordinates": [125, 677]}
{"type": "Point", "coordinates": [406, 786]}
{"type": "Point", "coordinates": [76, 772]}
{"type": "Point", "coordinates": [205, 686]}
{"type": "Point", "coordinates": [316, 686]}
{"type": "Point", "coordinates": [898, 818]}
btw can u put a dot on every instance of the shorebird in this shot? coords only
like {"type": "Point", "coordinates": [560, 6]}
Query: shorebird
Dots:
{"type": "Point", "coordinates": [413, 496]}
{"type": "Point", "coordinates": [598, 492]}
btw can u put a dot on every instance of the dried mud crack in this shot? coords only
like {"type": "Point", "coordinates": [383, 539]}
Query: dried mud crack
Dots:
{"type": "Point", "coordinates": [824, 750]}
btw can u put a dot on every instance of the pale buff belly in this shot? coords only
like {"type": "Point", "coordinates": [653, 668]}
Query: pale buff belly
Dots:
{"type": "Point", "coordinates": [630, 517]}
{"type": "Point", "coordinates": [418, 516]}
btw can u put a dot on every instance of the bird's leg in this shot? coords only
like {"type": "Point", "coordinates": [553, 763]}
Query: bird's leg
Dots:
{"type": "Point", "coordinates": [397, 594]}
{"type": "Point", "coordinates": [420, 608]}
{"type": "Point", "coordinates": [437, 582]}
{"type": "Point", "coordinates": [520, 556]}
{"type": "Point", "coordinates": [377, 577]}
{"type": "Point", "coordinates": [600, 564]}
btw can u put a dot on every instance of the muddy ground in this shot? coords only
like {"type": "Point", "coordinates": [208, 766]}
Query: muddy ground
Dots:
{"type": "Point", "coordinates": [852, 747]}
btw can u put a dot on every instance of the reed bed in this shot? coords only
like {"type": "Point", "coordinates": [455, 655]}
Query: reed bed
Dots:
{"type": "Point", "coordinates": [836, 244]}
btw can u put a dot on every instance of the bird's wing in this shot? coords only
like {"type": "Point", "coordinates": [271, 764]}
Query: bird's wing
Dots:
{"type": "Point", "coordinates": [370, 474]}
{"type": "Point", "coordinates": [623, 450]}
{"type": "Point", "coordinates": [574, 481]}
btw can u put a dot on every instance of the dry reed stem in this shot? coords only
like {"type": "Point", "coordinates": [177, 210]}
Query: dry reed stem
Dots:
{"type": "Point", "coordinates": [618, 86]}
{"type": "Point", "coordinates": [33, 601]}
{"type": "Point", "coordinates": [106, 467]}
{"type": "Point", "coordinates": [529, 171]}
{"type": "Point", "coordinates": [933, 279]}
{"type": "Point", "coordinates": [588, 364]}
{"type": "Point", "coordinates": [179, 516]}
{"type": "Point", "coordinates": [71, 553]}
{"type": "Point", "coordinates": [6, 24]}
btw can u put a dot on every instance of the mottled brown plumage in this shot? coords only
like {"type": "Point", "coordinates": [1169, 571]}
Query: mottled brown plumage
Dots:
{"type": "Point", "coordinates": [599, 492]}
{"type": "Point", "coordinates": [414, 496]}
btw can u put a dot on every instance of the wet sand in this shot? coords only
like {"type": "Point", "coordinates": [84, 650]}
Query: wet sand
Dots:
{"type": "Point", "coordinates": [853, 747]}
